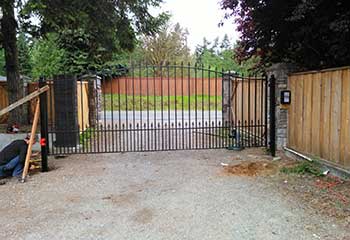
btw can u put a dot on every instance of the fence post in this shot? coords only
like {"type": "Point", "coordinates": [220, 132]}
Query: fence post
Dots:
{"type": "Point", "coordinates": [272, 113]}
{"type": "Point", "coordinates": [44, 138]}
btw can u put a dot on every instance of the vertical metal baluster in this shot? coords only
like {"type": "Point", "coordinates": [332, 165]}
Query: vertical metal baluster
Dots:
{"type": "Point", "coordinates": [229, 127]}
{"type": "Point", "coordinates": [112, 109]}
{"type": "Point", "coordinates": [124, 138]}
{"type": "Point", "coordinates": [82, 115]}
{"type": "Point", "coordinates": [141, 109]}
{"type": "Point", "coordinates": [119, 117]}
{"type": "Point", "coordinates": [196, 102]}
{"type": "Point", "coordinates": [133, 143]}
{"type": "Point", "coordinates": [66, 149]}
{"type": "Point", "coordinates": [175, 80]}
{"type": "Point", "coordinates": [261, 111]}
{"type": "Point", "coordinates": [104, 112]}
{"type": "Point", "coordinates": [91, 139]}
{"type": "Point", "coordinates": [97, 106]}
{"type": "Point", "coordinates": [249, 123]}
{"type": "Point", "coordinates": [155, 107]}
{"type": "Point", "coordinates": [237, 131]}
{"type": "Point", "coordinates": [189, 105]}
{"type": "Point", "coordinates": [169, 109]}
{"type": "Point", "coordinates": [127, 112]}
{"type": "Point", "coordinates": [52, 121]}
{"type": "Point", "coordinates": [255, 105]}
{"type": "Point", "coordinates": [148, 120]}
{"type": "Point", "coordinates": [266, 99]}
{"type": "Point", "coordinates": [203, 120]}
{"type": "Point", "coordinates": [242, 120]}
{"type": "Point", "coordinates": [221, 144]}
{"type": "Point", "coordinates": [182, 102]}
{"type": "Point", "coordinates": [162, 106]}
{"type": "Point", "coordinates": [209, 107]}
{"type": "Point", "coordinates": [216, 107]}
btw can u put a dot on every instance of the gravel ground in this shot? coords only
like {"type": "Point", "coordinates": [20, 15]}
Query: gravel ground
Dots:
{"type": "Point", "coordinates": [164, 195]}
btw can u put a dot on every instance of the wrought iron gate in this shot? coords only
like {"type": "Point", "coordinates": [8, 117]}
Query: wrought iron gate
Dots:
{"type": "Point", "coordinates": [156, 108]}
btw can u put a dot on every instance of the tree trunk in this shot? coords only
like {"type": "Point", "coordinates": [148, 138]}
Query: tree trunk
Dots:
{"type": "Point", "coordinates": [15, 86]}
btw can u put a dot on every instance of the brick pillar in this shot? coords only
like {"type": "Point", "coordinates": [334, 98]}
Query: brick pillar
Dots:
{"type": "Point", "coordinates": [281, 71]}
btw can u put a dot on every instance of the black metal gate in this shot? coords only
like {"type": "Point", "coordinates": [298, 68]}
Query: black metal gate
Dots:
{"type": "Point", "coordinates": [156, 108]}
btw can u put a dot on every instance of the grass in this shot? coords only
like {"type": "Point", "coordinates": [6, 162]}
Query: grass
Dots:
{"type": "Point", "coordinates": [139, 103]}
{"type": "Point", "coordinates": [303, 168]}
{"type": "Point", "coordinates": [86, 135]}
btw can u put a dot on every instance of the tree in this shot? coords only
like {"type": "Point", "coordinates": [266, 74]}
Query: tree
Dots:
{"type": "Point", "coordinates": [46, 57]}
{"type": "Point", "coordinates": [25, 67]}
{"type": "Point", "coordinates": [225, 43]}
{"type": "Point", "coordinates": [91, 31]}
{"type": "Point", "coordinates": [2, 62]}
{"type": "Point", "coordinates": [169, 45]}
{"type": "Point", "coordinates": [9, 42]}
{"type": "Point", "coordinates": [222, 56]}
{"type": "Point", "coordinates": [312, 34]}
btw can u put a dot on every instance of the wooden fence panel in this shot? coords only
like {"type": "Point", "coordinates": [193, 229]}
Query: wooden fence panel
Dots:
{"type": "Point", "coordinates": [83, 105]}
{"type": "Point", "coordinates": [345, 124]}
{"type": "Point", "coordinates": [3, 101]}
{"type": "Point", "coordinates": [163, 86]}
{"type": "Point", "coordinates": [316, 113]}
{"type": "Point", "coordinates": [319, 114]}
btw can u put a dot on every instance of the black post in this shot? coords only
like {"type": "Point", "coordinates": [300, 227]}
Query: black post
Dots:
{"type": "Point", "coordinates": [273, 115]}
{"type": "Point", "coordinates": [44, 139]}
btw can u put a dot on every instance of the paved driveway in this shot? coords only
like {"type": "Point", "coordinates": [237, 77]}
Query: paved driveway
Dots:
{"type": "Point", "coordinates": [165, 195]}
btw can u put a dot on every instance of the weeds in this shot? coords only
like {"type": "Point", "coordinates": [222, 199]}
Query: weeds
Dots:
{"type": "Point", "coordinates": [303, 168]}
{"type": "Point", "coordinates": [86, 135]}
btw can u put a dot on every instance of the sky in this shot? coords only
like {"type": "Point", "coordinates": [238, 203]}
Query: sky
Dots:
{"type": "Point", "coordinates": [201, 18]}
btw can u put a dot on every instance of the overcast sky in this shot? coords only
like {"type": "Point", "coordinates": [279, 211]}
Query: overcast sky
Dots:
{"type": "Point", "coordinates": [201, 18]}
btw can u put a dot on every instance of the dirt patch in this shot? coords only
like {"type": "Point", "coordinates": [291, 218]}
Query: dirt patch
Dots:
{"type": "Point", "coordinates": [251, 168]}
{"type": "Point", "coordinates": [327, 195]}
{"type": "Point", "coordinates": [143, 216]}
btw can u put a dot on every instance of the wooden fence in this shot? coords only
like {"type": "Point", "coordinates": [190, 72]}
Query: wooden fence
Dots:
{"type": "Point", "coordinates": [82, 98]}
{"type": "Point", "coordinates": [163, 86]}
{"type": "Point", "coordinates": [3, 100]}
{"type": "Point", "coordinates": [319, 114]}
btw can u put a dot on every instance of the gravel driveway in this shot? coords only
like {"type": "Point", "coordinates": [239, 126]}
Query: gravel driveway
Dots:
{"type": "Point", "coordinates": [164, 195]}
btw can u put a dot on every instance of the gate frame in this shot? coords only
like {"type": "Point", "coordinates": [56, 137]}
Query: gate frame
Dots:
{"type": "Point", "coordinates": [271, 144]}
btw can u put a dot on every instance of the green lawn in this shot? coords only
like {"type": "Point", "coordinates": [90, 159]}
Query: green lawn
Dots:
{"type": "Point", "coordinates": [137, 103]}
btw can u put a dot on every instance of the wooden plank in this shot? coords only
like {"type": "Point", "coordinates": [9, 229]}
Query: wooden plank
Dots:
{"type": "Point", "coordinates": [335, 116]}
{"type": "Point", "coordinates": [3, 102]}
{"type": "Point", "coordinates": [291, 114]}
{"type": "Point", "coordinates": [326, 115]}
{"type": "Point", "coordinates": [24, 100]}
{"type": "Point", "coordinates": [31, 140]}
{"type": "Point", "coordinates": [316, 114]}
{"type": "Point", "coordinates": [320, 71]}
{"type": "Point", "coordinates": [345, 122]}
{"type": "Point", "coordinates": [83, 105]}
{"type": "Point", "coordinates": [307, 106]}
{"type": "Point", "coordinates": [299, 113]}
